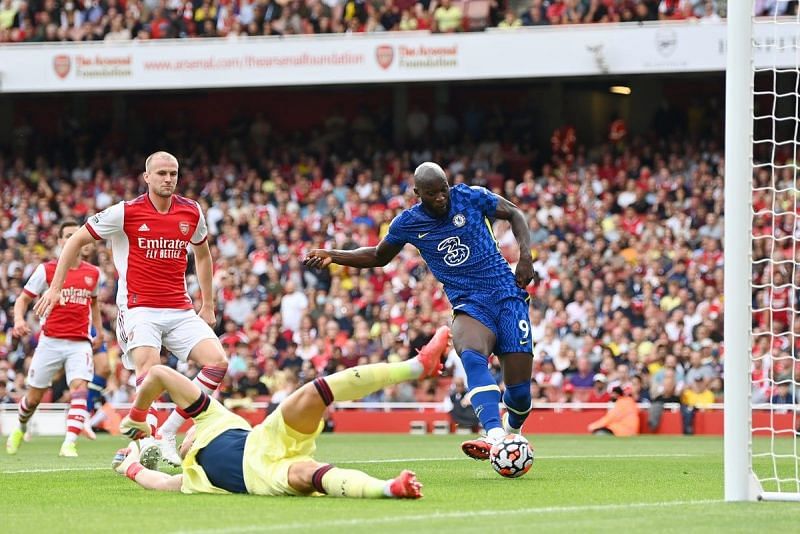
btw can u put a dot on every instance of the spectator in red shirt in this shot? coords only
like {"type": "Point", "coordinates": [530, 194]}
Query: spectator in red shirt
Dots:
{"type": "Point", "coordinates": [555, 11]}
{"type": "Point", "coordinates": [599, 392]}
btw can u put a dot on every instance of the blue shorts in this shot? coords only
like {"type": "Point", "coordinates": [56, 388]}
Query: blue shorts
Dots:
{"type": "Point", "coordinates": [508, 318]}
{"type": "Point", "coordinates": [222, 460]}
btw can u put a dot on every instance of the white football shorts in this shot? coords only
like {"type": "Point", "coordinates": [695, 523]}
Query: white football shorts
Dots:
{"type": "Point", "coordinates": [177, 330]}
{"type": "Point", "coordinates": [52, 354]}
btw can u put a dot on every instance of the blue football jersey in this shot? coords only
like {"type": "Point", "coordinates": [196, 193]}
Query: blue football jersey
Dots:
{"type": "Point", "coordinates": [460, 249]}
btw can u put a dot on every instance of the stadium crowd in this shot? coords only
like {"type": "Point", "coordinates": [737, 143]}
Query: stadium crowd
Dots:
{"type": "Point", "coordinates": [626, 238]}
{"type": "Point", "coordinates": [122, 20]}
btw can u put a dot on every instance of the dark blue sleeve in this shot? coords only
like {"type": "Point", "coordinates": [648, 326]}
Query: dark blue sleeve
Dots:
{"type": "Point", "coordinates": [397, 234]}
{"type": "Point", "coordinates": [483, 199]}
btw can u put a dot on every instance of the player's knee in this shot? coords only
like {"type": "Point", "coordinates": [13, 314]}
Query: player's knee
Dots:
{"type": "Point", "coordinates": [518, 397]}
{"type": "Point", "coordinates": [311, 396]}
{"type": "Point", "coordinates": [301, 475]}
{"type": "Point", "coordinates": [158, 371]}
{"type": "Point", "coordinates": [211, 353]}
{"type": "Point", "coordinates": [470, 341]}
{"type": "Point", "coordinates": [78, 384]}
{"type": "Point", "coordinates": [145, 360]}
{"type": "Point", "coordinates": [81, 388]}
{"type": "Point", "coordinates": [33, 398]}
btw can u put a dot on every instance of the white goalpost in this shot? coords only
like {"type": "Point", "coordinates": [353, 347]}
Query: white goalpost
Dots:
{"type": "Point", "coordinates": [762, 229]}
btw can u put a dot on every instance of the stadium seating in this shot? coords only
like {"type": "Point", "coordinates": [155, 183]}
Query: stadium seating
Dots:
{"type": "Point", "coordinates": [626, 244]}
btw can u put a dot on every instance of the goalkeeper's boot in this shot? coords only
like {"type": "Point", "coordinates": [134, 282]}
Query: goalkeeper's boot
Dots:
{"type": "Point", "coordinates": [406, 486]}
{"type": "Point", "coordinates": [134, 429]}
{"type": "Point", "coordinates": [14, 440]}
{"type": "Point", "coordinates": [430, 356]}
{"type": "Point", "coordinates": [68, 450]}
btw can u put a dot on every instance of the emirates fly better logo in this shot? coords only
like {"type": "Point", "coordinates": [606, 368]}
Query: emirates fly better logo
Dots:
{"type": "Point", "coordinates": [61, 65]}
{"type": "Point", "coordinates": [384, 54]}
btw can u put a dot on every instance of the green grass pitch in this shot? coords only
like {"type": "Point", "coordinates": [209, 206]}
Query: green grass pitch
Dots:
{"type": "Point", "coordinates": [577, 483]}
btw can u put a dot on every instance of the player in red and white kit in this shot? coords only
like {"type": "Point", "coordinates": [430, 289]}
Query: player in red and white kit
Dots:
{"type": "Point", "coordinates": [150, 236]}
{"type": "Point", "coordinates": [64, 341]}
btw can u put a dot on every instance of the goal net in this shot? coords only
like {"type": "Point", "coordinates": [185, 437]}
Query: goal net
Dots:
{"type": "Point", "coordinates": [761, 420]}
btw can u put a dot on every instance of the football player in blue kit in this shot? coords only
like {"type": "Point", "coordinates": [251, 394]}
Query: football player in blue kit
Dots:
{"type": "Point", "coordinates": [451, 227]}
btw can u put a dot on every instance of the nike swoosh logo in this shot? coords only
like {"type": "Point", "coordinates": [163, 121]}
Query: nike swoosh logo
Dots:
{"type": "Point", "coordinates": [523, 342]}
{"type": "Point", "coordinates": [420, 236]}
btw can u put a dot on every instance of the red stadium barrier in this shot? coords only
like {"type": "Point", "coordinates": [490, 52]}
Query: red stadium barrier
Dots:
{"type": "Point", "coordinates": [551, 421]}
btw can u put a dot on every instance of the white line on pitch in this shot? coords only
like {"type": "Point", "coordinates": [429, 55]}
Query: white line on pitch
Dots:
{"type": "Point", "coordinates": [403, 460]}
{"type": "Point", "coordinates": [55, 470]}
{"type": "Point", "coordinates": [638, 455]}
{"type": "Point", "coordinates": [549, 457]}
{"type": "Point", "coordinates": [445, 515]}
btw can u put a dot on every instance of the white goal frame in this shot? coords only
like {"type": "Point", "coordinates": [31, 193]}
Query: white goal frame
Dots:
{"type": "Point", "coordinates": [738, 243]}
{"type": "Point", "coordinates": [741, 482]}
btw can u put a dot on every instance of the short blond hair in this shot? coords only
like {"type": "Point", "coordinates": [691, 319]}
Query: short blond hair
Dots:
{"type": "Point", "coordinates": [156, 155]}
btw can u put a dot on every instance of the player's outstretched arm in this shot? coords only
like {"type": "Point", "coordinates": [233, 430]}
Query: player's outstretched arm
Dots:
{"type": "Point", "coordinates": [127, 462]}
{"type": "Point", "coordinates": [361, 258]}
{"type": "Point", "coordinates": [150, 479]}
{"type": "Point", "coordinates": [158, 481]}
{"type": "Point", "coordinates": [71, 251]}
{"type": "Point", "coordinates": [519, 226]}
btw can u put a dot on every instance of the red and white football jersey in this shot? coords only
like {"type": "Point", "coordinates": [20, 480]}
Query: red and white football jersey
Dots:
{"type": "Point", "coordinates": [150, 249]}
{"type": "Point", "coordinates": [70, 319]}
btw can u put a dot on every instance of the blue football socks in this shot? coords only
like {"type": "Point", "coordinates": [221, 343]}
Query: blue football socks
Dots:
{"type": "Point", "coordinates": [484, 393]}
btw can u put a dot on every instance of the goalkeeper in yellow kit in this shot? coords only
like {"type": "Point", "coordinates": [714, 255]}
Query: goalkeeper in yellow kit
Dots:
{"type": "Point", "coordinates": [224, 454]}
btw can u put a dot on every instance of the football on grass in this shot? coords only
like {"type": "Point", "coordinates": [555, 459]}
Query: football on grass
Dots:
{"type": "Point", "coordinates": [512, 457]}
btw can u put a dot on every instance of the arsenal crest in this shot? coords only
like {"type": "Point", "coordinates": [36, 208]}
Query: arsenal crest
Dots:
{"type": "Point", "coordinates": [88, 280]}
{"type": "Point", "coordinates": [384, 54]}
{"type": "Point", "coordinates": [183, 226]}
{"type": "Point", "coordinates": [61, 65]}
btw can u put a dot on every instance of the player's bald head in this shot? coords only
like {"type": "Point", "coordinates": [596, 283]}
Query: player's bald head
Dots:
{"type": "Point", "coordinates": [153, 158]}
{"type": "Point", "coordinates": [427, 174]}
{"type": "Point", "coordinates": [161, 174]}
{"type": "Point", "coordinates": [430, 185]}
